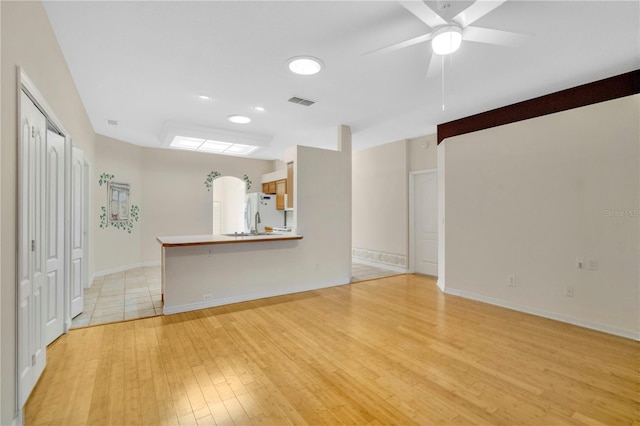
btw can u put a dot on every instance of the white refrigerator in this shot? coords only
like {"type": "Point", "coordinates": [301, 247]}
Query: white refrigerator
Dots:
{"type": "Point", "coordinates": [262, 207]}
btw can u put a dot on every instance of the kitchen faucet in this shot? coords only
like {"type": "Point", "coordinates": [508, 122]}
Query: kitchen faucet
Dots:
{"type": "Point", "coordinates": [257, 221]}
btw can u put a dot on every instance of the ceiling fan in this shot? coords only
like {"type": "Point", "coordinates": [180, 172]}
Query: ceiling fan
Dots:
{"type": "Point", "coordinates": [447, 35]}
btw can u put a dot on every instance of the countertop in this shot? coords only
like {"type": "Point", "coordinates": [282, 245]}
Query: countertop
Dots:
{"type": "Point", "coordinates": [197, 240]}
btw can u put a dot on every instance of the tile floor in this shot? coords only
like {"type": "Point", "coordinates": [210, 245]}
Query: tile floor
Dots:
{"type": "Point", "coordinates": [362, 272]}
{"type": "Point", "coordinates": [136, 293]}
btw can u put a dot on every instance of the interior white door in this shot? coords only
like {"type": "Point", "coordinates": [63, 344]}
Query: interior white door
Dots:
{"type": "Point", "coordinates": [54, 289]}
{"type": "Point", "coordinates": [426, 223]}
{"type": "Point", "coordinates": [77, 232]}
{"type": "Point", "coordinates": [31, 246]}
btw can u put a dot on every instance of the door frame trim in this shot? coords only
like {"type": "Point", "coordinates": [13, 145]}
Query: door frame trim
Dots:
{"type": "Point", "coordinates": [412, 223]}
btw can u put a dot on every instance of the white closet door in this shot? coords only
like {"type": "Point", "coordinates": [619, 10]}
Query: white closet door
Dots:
{"type": "Point", "coordinates": [54, 291]}
{"type": "Point", "coordinates": [31, 246]}
{"type": "Point", "coordinates": [77, 231]}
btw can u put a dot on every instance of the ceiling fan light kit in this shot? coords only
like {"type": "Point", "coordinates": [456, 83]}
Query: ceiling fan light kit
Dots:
{"type": "Point", "coordinates": [446, 40]}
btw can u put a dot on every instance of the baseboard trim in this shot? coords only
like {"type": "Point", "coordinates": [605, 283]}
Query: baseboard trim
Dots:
{"type": "Point", "coordinates": [380, 265]}
{"type": "Point", "coordinates": [123, 268]}
{"type": "Point", "coordinates": [629, 334]}
{"type": "Point", "coordinates": [380, 258]}
{"type": "Point", "coordinates": [168, 310]}
{"type": "Point", "coordinates": [17, 420]}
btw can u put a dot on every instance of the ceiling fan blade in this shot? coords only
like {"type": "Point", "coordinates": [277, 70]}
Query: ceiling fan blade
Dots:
{"type": "Point", "coordinates": [476, 11]}
{"type": "Point", "coordinates": [423, 12]}
{"type": "Point", "coordinates": [434, 65]}
{"type": "Point", "coordinates": [490, 36]}
{"type": "Point", "coordinates": [400, 45]}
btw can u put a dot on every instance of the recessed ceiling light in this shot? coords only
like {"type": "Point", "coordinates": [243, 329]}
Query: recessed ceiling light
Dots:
{"type": "Point", "coordinates": [258, 108]}
{"type": "Point", "coordinates": [239, 119]}
{"type": "Point", "coordinates": [305, 65]}
{"type": "Point", "coordinates": [204, 97]}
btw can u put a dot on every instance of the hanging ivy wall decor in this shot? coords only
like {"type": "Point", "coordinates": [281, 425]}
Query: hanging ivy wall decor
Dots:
{"type": "Point", "coordinates": [210, 177]}
{"type": "Point", "coordinates": [118, 213]}
{"type": "Point", "coordinates": [213, 175]}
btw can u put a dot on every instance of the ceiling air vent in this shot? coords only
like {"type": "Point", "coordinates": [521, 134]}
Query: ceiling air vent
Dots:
{"type": "Point", "coordinates": [305, 102]}
{"type": "Point", "coordinates": [112, 122]}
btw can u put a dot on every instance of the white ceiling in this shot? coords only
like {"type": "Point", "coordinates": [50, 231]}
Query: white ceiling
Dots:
{"type": "Point", "coordinates": [144, 63]}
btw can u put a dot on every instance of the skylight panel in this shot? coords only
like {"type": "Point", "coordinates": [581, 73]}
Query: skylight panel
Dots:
{"type": "Point", "coordinates": [215, 146]}
{"type": "Point", "coordinates": [184, 142]}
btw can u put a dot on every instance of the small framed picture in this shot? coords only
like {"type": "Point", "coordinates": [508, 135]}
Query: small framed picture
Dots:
{"type": "Point", "coordinates": [118, 202]}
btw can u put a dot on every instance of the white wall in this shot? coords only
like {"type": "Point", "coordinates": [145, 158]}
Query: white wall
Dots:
{"type": "Point", "coordinates": [528, 197]}
{"type": "Point", "coordinates": [28, 41]}
{"type": "Point", "coordinates": [381, 199]}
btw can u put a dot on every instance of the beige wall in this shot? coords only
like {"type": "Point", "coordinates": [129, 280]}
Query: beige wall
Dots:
{"type": "Point", "coordinates": [380, 200]}
{"type": "Point", "coordinates": [380, 182]}
{"type": "Point", "coordinates": [1, 92]}
{"type": "Point", "coordinates": [115, 248]}
{"type": "Point", "coordinates": [175, 200]}
{"type": "Point", "coordinates": [168, 187]}
{"type": "Point", "coordinates": [29, 42]}
{"type": "Point", "coordinates": [529, 197]}
{"type": "Point", "coordinates": [321, 259]}
{"type": "Point", "coordinates": [422, 153]}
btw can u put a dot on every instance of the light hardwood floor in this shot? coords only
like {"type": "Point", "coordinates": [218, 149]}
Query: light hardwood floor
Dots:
{"type": "Point", "coordinates": [388, 351]}
{"type": "Point", "coordinates": [136, 293]}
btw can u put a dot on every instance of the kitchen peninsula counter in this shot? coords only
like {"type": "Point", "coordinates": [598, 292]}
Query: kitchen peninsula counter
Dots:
{"type": "Point", "coordinates": [202, 271]}
{"type": "Point", "coordinates": [195, 240]}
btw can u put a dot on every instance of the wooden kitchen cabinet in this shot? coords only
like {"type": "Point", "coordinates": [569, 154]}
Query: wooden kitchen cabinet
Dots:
{"type": "Point", "coordinates": [290, 185]}
{"type": "Point", "coordinates": [269, 187]}
{"type": "Point", "coordinates": [281, 189]}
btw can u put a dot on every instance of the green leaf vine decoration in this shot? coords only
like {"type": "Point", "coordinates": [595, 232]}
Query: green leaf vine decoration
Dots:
{"type": "Point", "coordinates": [134, 212]}
{"type": "Point", "coordinates": [209, 181]}
{"type": "Point", "coordinates": [104, 178]}
{"type": "Point", "coordinates": [213, 175]}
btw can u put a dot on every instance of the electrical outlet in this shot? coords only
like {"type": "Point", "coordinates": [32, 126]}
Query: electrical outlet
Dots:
{"type": "Point", "coordinates": [592, 264]}
{"type": "Point", "coordinates": [512, 280]}
{"type": "Point", "coordinates": [569, 291]}
{"type": "Point", "coordinates": [580, 262]}
{"type": "Point", "coordinates": [207, 297]}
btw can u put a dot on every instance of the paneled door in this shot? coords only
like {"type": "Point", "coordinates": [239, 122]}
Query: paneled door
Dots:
{"type": "Point", "coordinates": [77, 231]}
{"type": "Point", "coordinates": [31, 246]}
{"type": "Point", "coordinates": [54, 288]}
{"type": "Point", "coordinates": [426, 223]}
